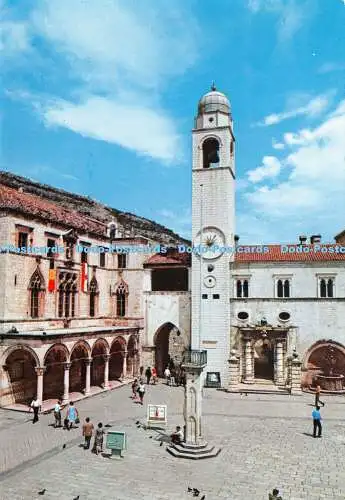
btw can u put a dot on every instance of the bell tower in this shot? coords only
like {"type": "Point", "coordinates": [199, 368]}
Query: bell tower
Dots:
{"type": "Point", "coordinates": [213, 228]}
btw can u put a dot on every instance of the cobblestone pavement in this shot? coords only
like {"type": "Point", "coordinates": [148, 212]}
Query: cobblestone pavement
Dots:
{"type": "Point", "coordinates": [265, 441]}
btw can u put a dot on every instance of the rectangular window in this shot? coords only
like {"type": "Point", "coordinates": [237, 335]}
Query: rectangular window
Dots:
{"type": "Point", "coordinates": [50, 245]}
{"type": "Point", "coordinates": [23, 239]}
{"type": "Point", "coordinates": [121, 260]}
{"type": "Point", "coordinates": [204, 296]}
{"type": "Point", "coordinates": [102, 259]}
{"type": "Point", "coordinates": [216, 296]}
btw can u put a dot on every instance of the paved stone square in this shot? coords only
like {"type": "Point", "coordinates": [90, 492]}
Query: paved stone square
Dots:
{"type": "Point", "coordinates": [265, 441]}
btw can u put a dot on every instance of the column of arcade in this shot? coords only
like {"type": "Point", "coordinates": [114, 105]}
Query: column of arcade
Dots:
{"type": "Point", "coordinates": [67, 365]}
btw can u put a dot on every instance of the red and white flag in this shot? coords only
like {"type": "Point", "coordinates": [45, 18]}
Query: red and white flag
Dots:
{"type": "Point", "coordinates": [83, 285]}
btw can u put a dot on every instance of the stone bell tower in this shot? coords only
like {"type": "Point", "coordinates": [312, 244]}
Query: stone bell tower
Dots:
{"type": "Point", "coordinates": [213, 228]}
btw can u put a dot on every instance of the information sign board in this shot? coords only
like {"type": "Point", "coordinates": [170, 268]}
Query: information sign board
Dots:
{"type": "Point", "coordinates": [116, 440]}
{"type": "Point", "coordinates": [156, 415]}
{"type": "Point", "coordinates": [213, 379]}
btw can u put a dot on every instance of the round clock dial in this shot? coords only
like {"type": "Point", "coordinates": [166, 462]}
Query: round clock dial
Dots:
{"type": "Point", "coordinates": [211, 240]}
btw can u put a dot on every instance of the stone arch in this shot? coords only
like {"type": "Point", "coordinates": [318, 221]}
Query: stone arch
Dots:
{"type": "Point", "coordinates": [117, 355]}
{"type": "Point", "coordinates": [170, 346]}
{"type": "Point", "coordinates": [53, 378]}
{"type": "Point", "coordinates": [325, 358]}
{"type": "Point", "coordinates": [210, 152]}
{"type": "Point", "coordinates": [211, 136]}
{"type": "Point", "coordinates": [80, 353]}
{"type": "Point", "coordinates": [99, 350]}
{"type": "Point", "coordinates": [20, 364]}
{"type": "Point", "coordinates": [132, 356]}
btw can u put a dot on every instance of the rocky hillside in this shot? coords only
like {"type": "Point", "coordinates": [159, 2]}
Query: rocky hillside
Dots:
{"type": "Point", "coordinates": [132, 224]}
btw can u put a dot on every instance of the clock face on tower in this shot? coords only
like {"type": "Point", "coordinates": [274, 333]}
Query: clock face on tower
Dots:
{"type": "Point", "coordinates": [212, 242]}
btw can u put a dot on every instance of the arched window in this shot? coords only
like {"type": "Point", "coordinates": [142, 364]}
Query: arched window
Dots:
{"type": "Point", "coordinates": [283, 288]}
{"type": "Point", "coordinates": [326, 287]}
{"type": "Point", "coordinates": [36, 290]}
{"type": "Point", "coordinates": [242, 288]}
{"type": "Point", "coordinates": [93, 290]}
{"type": "Point", "coordinates": [280, 288]}
{"type": "Point", "coordinates": [121, 299]}
{"type": "Point", "coordinates": [330, 288]}
{"type": "Point", "coordinates": [286, 288]}
{"type": "Point", "coordinates": [245, 288]}
{"type": "Point", "coordinates": [210, 150]}
{"type": "Point", "coordinates": [323, 288]}
{"type": "Point", "coordinates": [67, 295]}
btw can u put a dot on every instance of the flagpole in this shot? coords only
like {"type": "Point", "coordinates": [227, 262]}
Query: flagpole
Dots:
{"type": "Point", "coordinates": [200, 276]}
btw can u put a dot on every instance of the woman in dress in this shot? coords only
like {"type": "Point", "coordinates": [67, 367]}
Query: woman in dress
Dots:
{"type": "Point", "coordinates": [98, 443]}
{"type": "Point", "coordinates": [71, 415]}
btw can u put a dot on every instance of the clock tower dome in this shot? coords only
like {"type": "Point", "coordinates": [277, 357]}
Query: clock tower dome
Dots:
{"type": "Point", "coordinates": [213, 219]}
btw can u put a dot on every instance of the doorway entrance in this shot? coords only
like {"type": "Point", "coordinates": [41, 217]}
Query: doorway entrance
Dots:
{"type": "Point", "coordinates": [264, 359]}
{"type": "Point", "coordinates": [169, 348]}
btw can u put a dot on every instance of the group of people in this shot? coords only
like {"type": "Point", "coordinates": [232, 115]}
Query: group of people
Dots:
{"type": "Point", "coordinates": [89, 431]}
{"type": "Point", "coordinates": [138, 390]}
{"type": "Point", "coordinates": [175, 376]}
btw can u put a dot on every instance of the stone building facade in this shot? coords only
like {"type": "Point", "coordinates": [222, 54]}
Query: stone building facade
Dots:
{"type": "Point", "coordinates": [266, 310]}
{"type": "Point", "coordinates": [74, 318]}
{"type": "Point", "coordinates": [88, 313]}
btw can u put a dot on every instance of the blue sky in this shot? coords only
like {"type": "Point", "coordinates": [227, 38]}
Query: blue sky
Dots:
{"type": "Point", "coordinates": [99, 98]}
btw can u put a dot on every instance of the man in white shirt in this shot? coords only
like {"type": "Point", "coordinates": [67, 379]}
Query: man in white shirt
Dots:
{"type": "Point", "coordinates": [36, 406]}
{"type": "Point", "coordinates": [167, 374]}
{"type": "Point", "coordinates": [57, 414]}
{"type": "Point", "coordinates": [177, 436]}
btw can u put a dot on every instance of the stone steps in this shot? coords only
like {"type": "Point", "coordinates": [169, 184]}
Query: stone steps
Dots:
{"type": "Point", "coordinates": [193, 452]}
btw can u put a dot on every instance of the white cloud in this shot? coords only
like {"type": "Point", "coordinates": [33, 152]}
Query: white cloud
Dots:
{"type": "Point", "coordinates": [14, 38]}
{"type": "Point", "coordinates": [277, 145]}
{"type": "Point", "coordinates": [138, 128]}
{"type": "Point", "coordinates": [313, 184]}
{"type": "Point", "coordinates": [330, 67]}
{"type": "Point", "coordinates": [270, 168]}
{"type": "Point", "coordinates": [291, 14]}
{"type": "Point", "coordinates": [114, 43]}
{"type": "Point", "coordinates": [311, 109]}
{"type": "Point", "coordinates": [116, 59]}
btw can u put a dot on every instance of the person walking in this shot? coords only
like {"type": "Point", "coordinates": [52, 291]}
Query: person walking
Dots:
{"type": "Point", "coordinates": [57, 414]}
{"type": "Point", "coordinates": [148, 375]}
{"type": "Point", "coordinates": [317, 397]}
{"type": "Point", "coordinates": [87, 432]}
{"type": "Point", "coordinates": [36, 407]}
{"type": "Point", "coordinates": [72, 416]}
{"type": "Point", "coordinates": [141, 392]}
{"type": "Point", "coordinates": [317, 422]}
{"type": "Point", "coordinates": [135, 386]}
{"type": "Point", "coordinates": [167, 375]}
{"type": "Point", "coordinates": [98, 442]}
{"type": "Point", "coordinates": [154, 375]}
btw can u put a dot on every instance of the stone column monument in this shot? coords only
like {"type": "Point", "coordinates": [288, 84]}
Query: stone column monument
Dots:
{"type": "Point", "coordinates": [194, 446]}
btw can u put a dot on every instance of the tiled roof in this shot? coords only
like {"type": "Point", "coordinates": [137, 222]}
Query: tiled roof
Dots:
{"type": "Point", "coordinates": [172, 258]}
{"type": "Point", "coordinates": [34, 206]}
{"type": "Point", "coordinates": [290, 253]}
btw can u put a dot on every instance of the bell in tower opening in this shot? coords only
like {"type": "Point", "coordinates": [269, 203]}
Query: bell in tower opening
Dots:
{"type": "Point", "coordinates": [210, 150]}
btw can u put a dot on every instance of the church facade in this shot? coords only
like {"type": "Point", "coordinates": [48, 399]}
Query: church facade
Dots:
{"type": "Point", "coordinates": [81, 312]}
